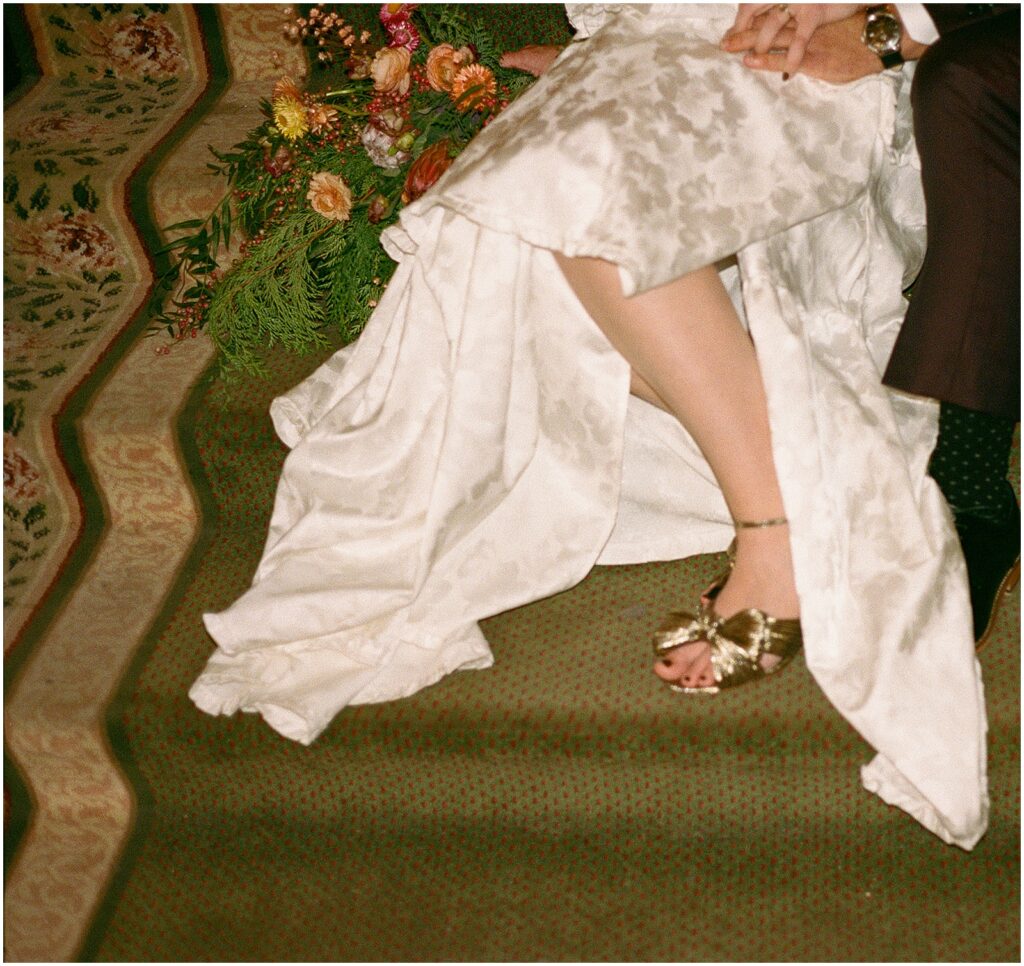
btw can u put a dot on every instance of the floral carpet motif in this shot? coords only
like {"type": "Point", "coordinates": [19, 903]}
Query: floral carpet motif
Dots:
{"type": "Point", "coordinates": [528, 812]}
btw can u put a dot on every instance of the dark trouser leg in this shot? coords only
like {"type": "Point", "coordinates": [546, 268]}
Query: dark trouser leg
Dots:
{"type": "Point", "coordinates": [960, 342]}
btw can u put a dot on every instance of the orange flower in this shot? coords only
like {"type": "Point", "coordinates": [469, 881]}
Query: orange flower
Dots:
{"type": "Point", "coordinates": [390, 70]}
{"type": "Point", "coordinates": [321, 117]}
{"type": "Point", "coordinates": [425, 170]}
{"type": "Point", "coordinates": [330, 196]}
{"type": "Point", "coordinates": [473, 88]}
{"type": "Point", "coordinates": [443, 62]}
{"type": "Point", "coordinates": [286, 87]}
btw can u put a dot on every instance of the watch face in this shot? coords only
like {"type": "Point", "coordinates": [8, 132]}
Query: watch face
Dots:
{"type": "Point", "coordinates": [882, 34]}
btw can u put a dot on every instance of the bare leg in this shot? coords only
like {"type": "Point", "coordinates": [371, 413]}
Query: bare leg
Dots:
{"type": "Point", "coordinates": [638, 387]}
{"type": "Point", "coordinates": [687, 346]}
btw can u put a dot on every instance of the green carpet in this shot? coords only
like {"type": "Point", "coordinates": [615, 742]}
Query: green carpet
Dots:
{"type": "Point", "coordinates": [560, 806]}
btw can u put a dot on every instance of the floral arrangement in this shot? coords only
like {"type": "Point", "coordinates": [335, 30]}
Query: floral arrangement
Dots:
{"type": "Point", "coordinates": [314, 185]}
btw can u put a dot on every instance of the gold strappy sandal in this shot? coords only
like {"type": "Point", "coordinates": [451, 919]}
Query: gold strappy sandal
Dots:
{"type": "Point", "coordinates": [737, 643]}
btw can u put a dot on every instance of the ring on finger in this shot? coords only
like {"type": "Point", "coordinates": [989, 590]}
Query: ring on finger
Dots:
{"type": "Point", "coordinates": [783, 8]}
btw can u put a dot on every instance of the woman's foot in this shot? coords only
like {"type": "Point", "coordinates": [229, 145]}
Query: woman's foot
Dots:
{"type": "Point", "coordinates": [761, 578]}
{"type": "Point", "coordinates": [691, 355]}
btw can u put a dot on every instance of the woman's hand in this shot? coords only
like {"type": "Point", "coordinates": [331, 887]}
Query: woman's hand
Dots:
{"type": "Point", "coordinates": [758, 25]}
{"type": "Point", "coordinates": [533, 58]}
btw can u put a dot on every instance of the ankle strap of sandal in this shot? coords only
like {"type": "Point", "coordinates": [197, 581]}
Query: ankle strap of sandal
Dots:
{"type": "Point", "coordinates": [759, 524]}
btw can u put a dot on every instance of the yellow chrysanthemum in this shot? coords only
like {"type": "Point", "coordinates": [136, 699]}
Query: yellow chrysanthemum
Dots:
{"type": "Point", "coordinates": [290, 117]}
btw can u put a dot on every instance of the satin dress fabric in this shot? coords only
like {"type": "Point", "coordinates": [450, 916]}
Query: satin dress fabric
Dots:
{"type": "Point", "coordinates": [477, 448]}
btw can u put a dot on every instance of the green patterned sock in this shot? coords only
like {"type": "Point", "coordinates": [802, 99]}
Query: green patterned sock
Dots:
{"type": "Point", "coordinates": [970, 461]}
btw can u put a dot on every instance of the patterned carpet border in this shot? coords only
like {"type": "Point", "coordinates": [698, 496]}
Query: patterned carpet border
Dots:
{"type": "Point", "coordinates": [77, 401]}
{"type": "Point", "coordinates": [69, 415]}
{"type": "Point", "coordinates": [17, 797]}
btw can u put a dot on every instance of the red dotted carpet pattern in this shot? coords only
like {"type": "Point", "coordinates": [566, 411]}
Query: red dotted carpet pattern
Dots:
{"type": "Point", "coordinates": [561, 806]}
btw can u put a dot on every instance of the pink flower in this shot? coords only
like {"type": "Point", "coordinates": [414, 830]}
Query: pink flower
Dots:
{"type": "Point", "coordinates": [281, 161]}
{"type": "Point", "coordinates": [390, 121]}
{"type": "Point", "coordinates": [400, 28]}
{"type": "Point", "coordinates": [321, 117]}
{"type": "Point", "coordinates": [382, 150]}
{"type": "Point", "coordinates": [395, 13]}
{"type": "Point", "coordinates": [330, 196]}
{"type": "Point", "coordinates": [403, 34]}
{"type": "Point", "coordinates": [443, 63]}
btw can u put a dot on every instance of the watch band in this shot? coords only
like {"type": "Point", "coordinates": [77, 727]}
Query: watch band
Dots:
{"type": "Point", "coordinates": [890, 59]}
{"type": "Point", "coordinates": [882, 36]}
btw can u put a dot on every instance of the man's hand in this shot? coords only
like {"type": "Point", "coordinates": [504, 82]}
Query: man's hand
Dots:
{"type": "Point", "coordinates": [534, 58]}
{"type": "Point", "coordinates": [763, 25]}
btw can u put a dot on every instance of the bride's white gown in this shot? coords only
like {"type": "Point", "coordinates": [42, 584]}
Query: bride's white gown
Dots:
{"type": "Point", "coordinates": [477, 448]}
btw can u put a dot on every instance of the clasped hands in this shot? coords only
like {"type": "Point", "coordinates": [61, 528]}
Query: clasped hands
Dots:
{"type": "Point", "coordinates": [788, 38]}
{"type": "Point", "coordinates": [821, 40]}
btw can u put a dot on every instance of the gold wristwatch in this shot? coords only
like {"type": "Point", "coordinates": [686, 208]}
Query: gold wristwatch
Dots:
{"type": "Point", "coordinates": [882, 35]}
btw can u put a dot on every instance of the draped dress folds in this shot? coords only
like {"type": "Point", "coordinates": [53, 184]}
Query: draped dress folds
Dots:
{"type": "Point", "coordinates": [477, 448]}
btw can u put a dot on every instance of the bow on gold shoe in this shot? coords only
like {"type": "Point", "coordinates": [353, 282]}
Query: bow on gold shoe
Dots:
{"type": "Point", "coordinates": [738, 643]}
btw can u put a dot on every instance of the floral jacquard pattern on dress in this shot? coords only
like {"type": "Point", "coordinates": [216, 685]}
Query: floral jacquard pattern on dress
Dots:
{"type": "Point", "coordinates": [664, 168]}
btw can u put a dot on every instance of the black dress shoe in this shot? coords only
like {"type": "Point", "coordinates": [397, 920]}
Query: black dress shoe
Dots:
{"type": "Point", "coordinates": [992, 553]}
